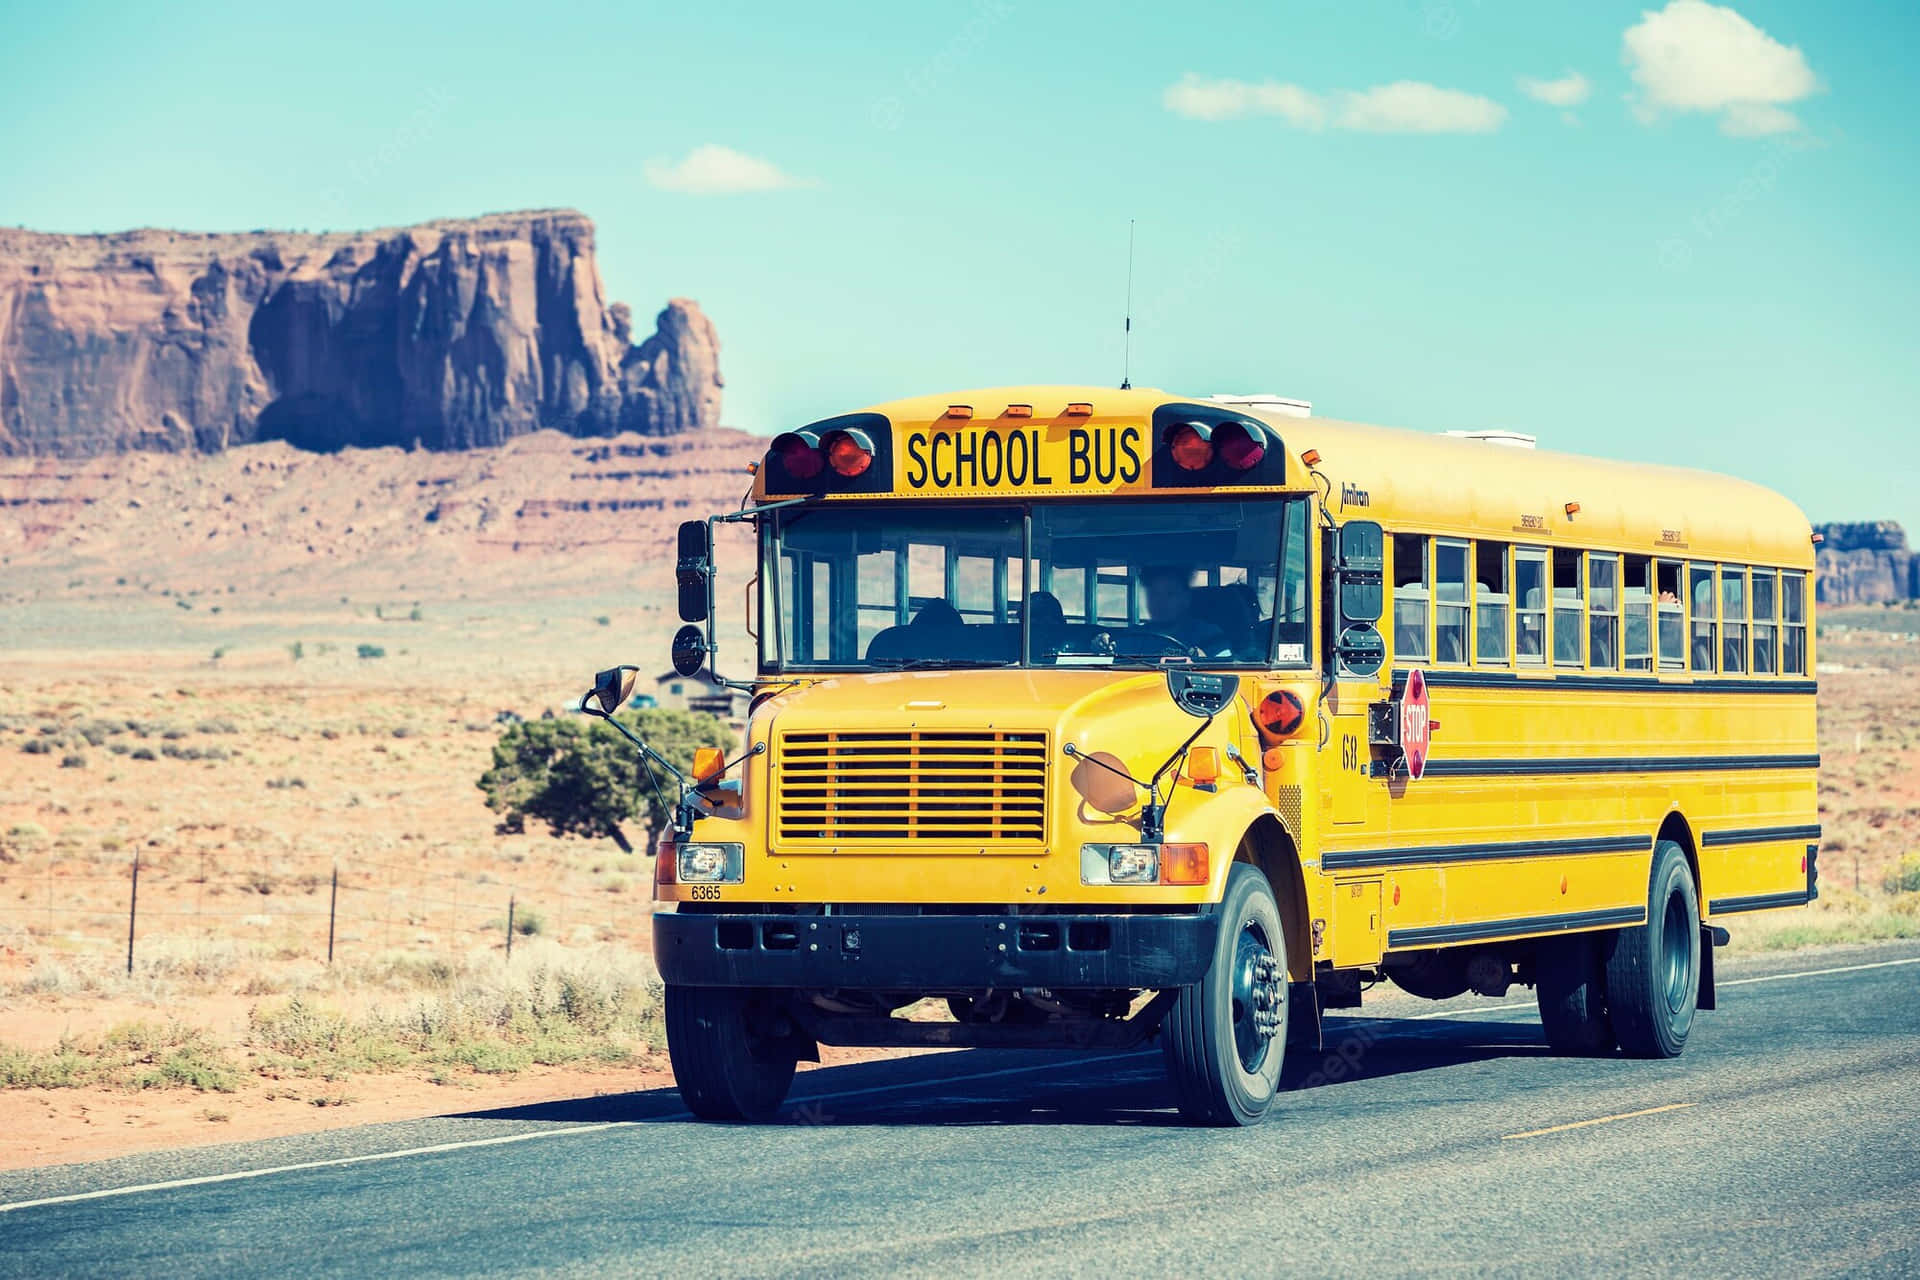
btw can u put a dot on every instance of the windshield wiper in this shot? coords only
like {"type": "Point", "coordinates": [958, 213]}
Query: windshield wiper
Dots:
{"type": "Point", "coordinates": [939, 664]}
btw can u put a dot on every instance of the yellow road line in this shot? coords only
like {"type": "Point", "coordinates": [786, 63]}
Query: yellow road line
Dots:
{"type": "Point", "coordinates": [1581, 1124]}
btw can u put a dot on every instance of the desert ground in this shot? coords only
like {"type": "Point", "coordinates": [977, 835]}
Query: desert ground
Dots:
{"type": "Point", "coordinates": [291, 750]}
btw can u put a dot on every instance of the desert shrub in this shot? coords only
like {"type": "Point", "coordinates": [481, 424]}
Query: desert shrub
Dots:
{"type": "Point", "coordinates": [286, 784]}
{"type": "Point", "coordinates": [73, 760]}
{"type": "Point", "coordinates": [371, 651]}
{"type": "Point", "coordinates": [37, 747]}
{"type": "Point", "coordinates": [1904, 875]}
{"type": "Point", "coordinates": [580, 776]}
{"type": "Point", "coordinates": [142, 753]}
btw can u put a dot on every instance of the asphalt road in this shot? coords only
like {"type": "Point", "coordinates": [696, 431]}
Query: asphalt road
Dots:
{"type": "Point", "coordinates": [1785, 1140]}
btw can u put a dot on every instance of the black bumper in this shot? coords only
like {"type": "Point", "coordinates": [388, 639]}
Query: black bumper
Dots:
{"type": "Point", "coordinates": [933, 952]}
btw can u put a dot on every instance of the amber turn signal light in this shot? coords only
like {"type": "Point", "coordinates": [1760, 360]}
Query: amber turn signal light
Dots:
{"type": "Point", "coordinates": [1183, 864]}
{"type": "Point", "coordinates": [1203, 764]}
{"type": "Point", "coordinates": [708, 763]}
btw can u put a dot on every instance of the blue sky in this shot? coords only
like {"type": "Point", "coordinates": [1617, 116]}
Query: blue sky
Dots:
{"type": "Point", "coordinates": [1665, 231]}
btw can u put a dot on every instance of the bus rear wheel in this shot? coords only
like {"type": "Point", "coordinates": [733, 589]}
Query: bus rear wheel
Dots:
{"type": "Point", "coordinates": [1226, 1035]}
{"type": "Point", "coordinates": [727, 1068]}
{"type": "Point", "coordinates": [1653, 973]}
{"type": "Point", "coordinates": [1570, 979]}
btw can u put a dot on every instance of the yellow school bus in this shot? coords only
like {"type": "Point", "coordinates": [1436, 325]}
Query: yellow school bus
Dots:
{"type": "Point", "coordinates": [1106, 716]}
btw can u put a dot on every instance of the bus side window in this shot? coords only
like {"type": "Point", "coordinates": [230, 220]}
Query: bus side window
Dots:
{"type": "Point", "coordinates": [1793, 615]}
{"type": "Point", "coordinates": [1765, 606]}
{"type": "Point", "coordinates": [1490, 602]}
{"type": "Point", "coordinates": [1700, 605]}
{"type": "Point", "coordinates": [1410, 597]}
{"type": "Point", "coordinates": [1530, 606]}
{"type": "Point", "coordinates": [1568, 612]}
{"type": "Point", "coordinates": [1673, 618]}
{"type": "Point", "coordinates": [1603, 611]}
{"type": "Point", "coordinates": [1452, 607]}
{"type": "Point", "coordinates": [1733, 619]}
{"type": "Point", "coordinates": [1636, 620]}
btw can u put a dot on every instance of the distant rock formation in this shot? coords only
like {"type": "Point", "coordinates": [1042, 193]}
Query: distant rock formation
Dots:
{"type": "Point", "coordinates": [447, 335]}
{"type": "Point", "coordinates": [1867, 562]}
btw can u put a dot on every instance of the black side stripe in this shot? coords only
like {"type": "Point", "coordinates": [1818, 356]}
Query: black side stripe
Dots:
{"type": "Point", "coordinates": [1758, 902]}
{"type": "Point", "coordinates": [1442, 934]}
{"type": "Point", "coordinates": [1444, 679]}
{"type": "Point", "coordinates": [1336, 859]}
{"type": "Point", "coordinates": [1760, 835]}
{"type": "Point", "coordinates": [1613, 764]}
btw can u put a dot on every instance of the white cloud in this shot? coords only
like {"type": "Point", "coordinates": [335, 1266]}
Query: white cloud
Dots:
{"type": "Point", "coordinates": [1569, 90]}
{"type": "Point", "coordinates": [714, 170]}
{"type": "Point", "coordinates": [1696, 56]}
{"type": "Point", "coordinates": [1757, 120]}
{"type": "Point", "coordinates": [1406, 106]}
{"type": "Point", "coordinates": [1198, 98]}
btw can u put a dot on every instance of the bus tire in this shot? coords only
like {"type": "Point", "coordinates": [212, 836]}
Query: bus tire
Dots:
{"type": "Point", "coordinates": [1570, 979]}
{"type": "Point", "coordinates": [723, 1067]}
{"type": "Point", "coordinates": [1653, 973]}
{"type": "Point", "coordinates": [1226, 1036]}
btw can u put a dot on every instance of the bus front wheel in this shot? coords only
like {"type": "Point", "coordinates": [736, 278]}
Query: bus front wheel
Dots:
{"type": "Point", "coordinates": [1653, 973]}
{"type": "Point", "coordinates": [725, 1064]}
{"type": "Point", "coordinates": [1226, 1035]}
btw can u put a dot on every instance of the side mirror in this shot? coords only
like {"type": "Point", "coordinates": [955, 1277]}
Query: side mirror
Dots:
{"type": "Point", "coordinates": [689, 650]}
{"type": "Point", "coordinates": [694, 571]}
{"type": "Point", "coordinates": [1359, 562]}
{"type": "Point", "coordinates": [611, 688]}
{"type": "Point", "coordinates": [1201, 694]}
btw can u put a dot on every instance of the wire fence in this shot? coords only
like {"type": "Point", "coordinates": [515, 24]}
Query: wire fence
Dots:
{"type": "Point", "coordinates": [296, 906]}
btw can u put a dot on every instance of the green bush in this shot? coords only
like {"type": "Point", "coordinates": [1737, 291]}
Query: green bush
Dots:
{"type": "Point", "coordinates": [579, 776]}
{"type": "Point", "coordinates": [371, 651]}
{"type": "Point", "coordinates": [1904, 875]}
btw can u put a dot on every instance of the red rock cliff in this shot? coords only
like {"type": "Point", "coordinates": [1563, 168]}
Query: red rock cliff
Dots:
{"type": "Point", "coordinates": [450, 334]}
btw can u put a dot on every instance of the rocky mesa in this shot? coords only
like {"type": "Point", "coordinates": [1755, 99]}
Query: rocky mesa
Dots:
{"type": "Point", "coordinates": [1866, 562]}
{"type": "Point", "coordinates": [446, 335]}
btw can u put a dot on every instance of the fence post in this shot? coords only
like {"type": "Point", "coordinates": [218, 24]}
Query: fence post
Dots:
{"type": "Point", "coordinates": [133, 907]}
{"type": "Point", "coordinates": [333, 901]}
{"type": "Point", "coordinates": [510, 906]}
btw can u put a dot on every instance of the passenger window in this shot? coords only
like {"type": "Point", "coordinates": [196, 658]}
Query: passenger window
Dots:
{"type": "Point", "coordinates": [1410, 597]}
{"type": "Point", "coordinates": [1733, 619]}
{"type": "Point", "coordinates": [1673, 618]}
{"type": "Point", "coordinates": [1530, 606]}
{"type": "Point", "coordinates": [1636, 614]}
{"type": "Point", "coordinates": [1603, 612]}
{"type": "Point", "coordinates": [1793, 618]}
{"type": "Point", "coordinates": [1700, 605]}
{"type": "Point", "coordinates": [1765, 627]}
{"type": "Point", "coordinates": [1567, 609]}
{"type": "Point", "coordinates": [1452, 610]}
{"type": "Point", "coordinates": [1490, 602]}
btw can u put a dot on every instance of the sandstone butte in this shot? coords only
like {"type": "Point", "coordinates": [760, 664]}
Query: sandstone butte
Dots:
{"type": "Point", "coordinates": [448, 335]}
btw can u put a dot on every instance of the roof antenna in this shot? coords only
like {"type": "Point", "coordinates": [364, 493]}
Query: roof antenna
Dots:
{"type": "Point", "coordinates": [1126, 343]}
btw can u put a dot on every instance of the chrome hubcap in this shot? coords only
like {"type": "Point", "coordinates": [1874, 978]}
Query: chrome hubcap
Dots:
{"type": "Point", "coordinates": [1259, 999]}
{"type": "Point", "coordinates": [1677, 953]}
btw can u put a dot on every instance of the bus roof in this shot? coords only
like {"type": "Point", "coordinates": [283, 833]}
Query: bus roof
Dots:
{"type": "Point", "coordinates": [1435, 483]}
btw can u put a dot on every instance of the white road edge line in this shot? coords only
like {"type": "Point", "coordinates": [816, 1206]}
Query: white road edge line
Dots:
{"type": "Point", "coordinates": [241, 1175]}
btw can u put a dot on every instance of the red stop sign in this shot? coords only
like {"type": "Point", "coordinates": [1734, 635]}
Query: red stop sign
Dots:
{"type": "Point", "coordinates": [1416, 724]}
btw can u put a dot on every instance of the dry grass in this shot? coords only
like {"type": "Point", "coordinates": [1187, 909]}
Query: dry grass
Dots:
{"type": "Point", "coordinates": [436, 1018]}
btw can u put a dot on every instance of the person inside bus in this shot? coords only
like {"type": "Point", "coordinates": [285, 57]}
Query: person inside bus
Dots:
{"type": "Point", "coordinates": [1172, 611]}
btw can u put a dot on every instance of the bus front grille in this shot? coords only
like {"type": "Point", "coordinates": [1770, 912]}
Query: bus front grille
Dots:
{"type": "Point", "coordinates": [861, 791]}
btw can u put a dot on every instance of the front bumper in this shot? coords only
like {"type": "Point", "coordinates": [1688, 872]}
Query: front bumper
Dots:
{"type": "Point", "coordinates": [879, 951]}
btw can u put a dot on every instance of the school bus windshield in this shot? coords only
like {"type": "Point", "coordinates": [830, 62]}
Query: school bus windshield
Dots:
{"type": "Point", "coordinates": [1107, 583]}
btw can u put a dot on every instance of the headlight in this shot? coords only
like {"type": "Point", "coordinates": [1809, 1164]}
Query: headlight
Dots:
{"type": "Point", "coordinates": [1119, 864]}
{"type": "Point", "coordinates": [710, 863]}
{"type": "Point", "coordinates": [1143, 864]}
